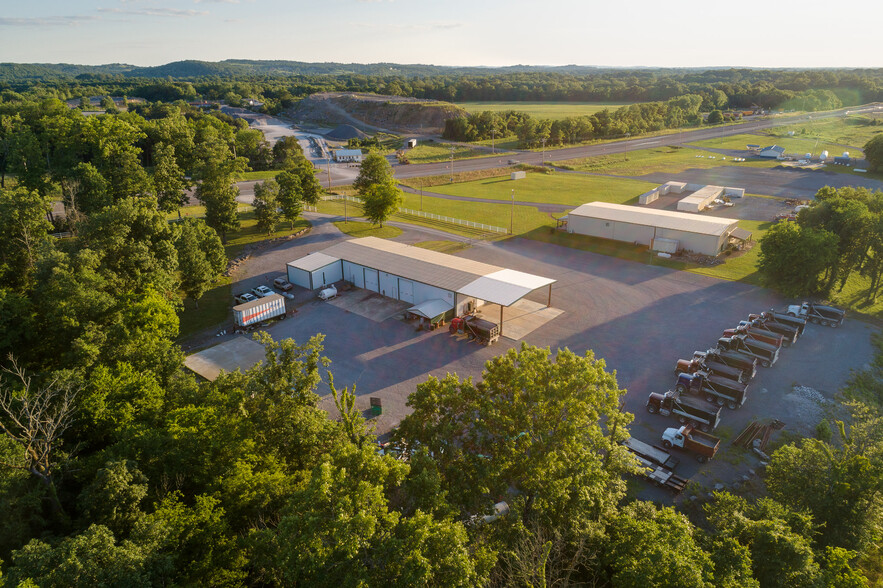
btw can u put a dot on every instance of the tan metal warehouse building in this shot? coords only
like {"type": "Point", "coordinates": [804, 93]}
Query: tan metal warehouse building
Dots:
{"type": "Point", "coordinates": [701, 234]}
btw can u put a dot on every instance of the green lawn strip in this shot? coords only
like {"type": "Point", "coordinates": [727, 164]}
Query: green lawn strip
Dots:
{"type": "Point", "coordinates": [363, 229]}
{"type": "Point", "coordinates": [438, 152]}
{"type": "Point", "coordinates": [257, 175]}
{"type": "Point", "coordinates": [671, 159]}
{"type": "Point", "coordinates": [544, 110]}
{"type": "Point", "coordinates": [501, 144]}
{"type": "Point", "coordinates": [443, 246]}
{"type": "Point", "coordinates": [248, 232]}
{"type": "Point", "coordinates": [853, 130]}
{"type": "Point", "coordinates": [427, 182]}
{"type": "Point", "coordinates": [793, 145]}
{"type": "Point", "coordinates": [555, 188]}
{"type": "Point", "coordinates": [214, 308]}
{"type": "Point", "coordinates": [607, 247]}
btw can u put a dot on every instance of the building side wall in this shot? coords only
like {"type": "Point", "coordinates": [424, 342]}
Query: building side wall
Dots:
{"type": "Point", "coordinates": [643, 234]}
{"type": "Point", "coordinates": [299, 277]}
{"type": "Point", "coordinates": [354, 273]}
{"type": "Point", "coordinates": [327, 275]}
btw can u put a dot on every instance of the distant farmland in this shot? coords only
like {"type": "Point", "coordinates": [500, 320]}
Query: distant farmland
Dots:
{"type": "Point", "coordinates": [552, 110]}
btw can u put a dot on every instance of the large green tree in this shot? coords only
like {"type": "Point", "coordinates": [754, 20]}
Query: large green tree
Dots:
{"type": "Point", "coordinates": [374, 170]}
{"type": "Point", "coordinates": [201, 257]}
{"type": "Point", "coordinates": [290, 195]}
{"type": "Point", "coordinates": [874, 153]}
{"type": "Point", "coordinates": [215, 172]}
{"type": "Point", "coordinates": [793, 258]}
{"type": "Point", "coordinates": [381, 201]}
{"type": "Point", "coordinates": [266, 205]}
{"type": "Point", "coordinates": [24, 229]}
{"type": "Point", "coordinates": [169, 181]}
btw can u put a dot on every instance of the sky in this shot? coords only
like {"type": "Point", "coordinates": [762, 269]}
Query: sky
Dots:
{"type": "Point", "coordinates": [676, 33]}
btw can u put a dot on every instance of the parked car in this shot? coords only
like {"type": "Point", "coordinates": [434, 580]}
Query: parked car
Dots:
{"type": "Point", "coordinates": [245, 297]}
{"type": "Point", "coordinates": [261, 291]}
{"type": "Point", "coordinates": [282, 284]}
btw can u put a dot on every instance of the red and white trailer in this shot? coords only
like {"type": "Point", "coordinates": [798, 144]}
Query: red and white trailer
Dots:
{"type": "Point", "coordinates": [259, 310]}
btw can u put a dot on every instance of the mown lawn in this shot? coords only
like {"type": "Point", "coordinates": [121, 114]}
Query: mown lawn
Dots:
{"type": "Point", "coordinates": [796, 145]}
{"type": "Point", "coordinates": [852, 130]}
{"type": "Point", "coordinates": [546, 110]}
{"type": "Point", "coordinates": [436, 152]}
{"type": "Point", "coordinates": [671, 159]}
{"type": "Point", "coordinates": [554, 188]}
{"type": "Point", "coordinates": [363, 229]}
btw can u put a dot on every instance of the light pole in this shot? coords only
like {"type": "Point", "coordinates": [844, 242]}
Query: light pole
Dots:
{"type": "Point", "coordinates": [512, 213]}
{"type": "Point", "coordinates": [543, 140]}
{"type": "Point", "coordinates": [627, 135]}
{"type": "Point", "coordinates": [421, 194]}
{"type": "Point", "coordinates": [452, 164]}
{"type": "Point", "coordinates": [493, 137]}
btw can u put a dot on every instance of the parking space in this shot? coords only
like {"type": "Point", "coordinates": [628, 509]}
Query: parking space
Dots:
{"type": "Point", "coordinates": [368, 304]}
{"type": "Point", "coordinates": [639, 319]}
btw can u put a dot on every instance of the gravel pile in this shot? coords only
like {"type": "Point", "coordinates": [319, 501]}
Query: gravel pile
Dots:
{"type": "Point", "coordinates": [345, 132]}
{"type": "Point", "coordinates": [805, 408]}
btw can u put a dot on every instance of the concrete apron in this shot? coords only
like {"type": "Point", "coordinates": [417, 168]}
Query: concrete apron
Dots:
{"type": "Point", "coordinates": [520, 319]}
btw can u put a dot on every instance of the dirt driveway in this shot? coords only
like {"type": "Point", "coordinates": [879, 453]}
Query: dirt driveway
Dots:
{"type": "Point", "coordinates": [639, 318]}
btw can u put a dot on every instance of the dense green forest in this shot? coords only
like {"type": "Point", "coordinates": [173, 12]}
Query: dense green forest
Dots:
{"type": "Point", "coordinates": [118, 467]}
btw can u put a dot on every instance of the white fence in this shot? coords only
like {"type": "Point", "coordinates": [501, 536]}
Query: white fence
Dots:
{"type": "Point", "coordinates": [430, 216]}
{"type": "Point", "coordinates": [456, 221]}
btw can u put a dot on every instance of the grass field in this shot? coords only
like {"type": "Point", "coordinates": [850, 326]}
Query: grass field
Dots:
{"type": "Point", "coordinates": [671, 159]}
{"type": "Point", "coordinates": [852, 130]}
{"type": "Point", "coordinates": [797, 144]}
{"type": "Point", "coordinates": [549, 110]}
{"type": "Point", "coordinates": [362, 229]}
{"type": "Point", "coordinates": [555, 188]}
{"type": "Point", "coordinates": [436, 152]}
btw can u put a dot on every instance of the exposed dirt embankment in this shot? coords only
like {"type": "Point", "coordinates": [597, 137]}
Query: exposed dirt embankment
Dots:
{"type": "Point", "coordinates": [373, 112]}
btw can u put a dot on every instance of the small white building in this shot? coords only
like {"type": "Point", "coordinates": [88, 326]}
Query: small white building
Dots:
{"type": "Point", "coordinates": [657, 229]}
{"type": "Point", "coordinates": [410, 143]}
{"type": "Point", "coordinates": [348, 155]}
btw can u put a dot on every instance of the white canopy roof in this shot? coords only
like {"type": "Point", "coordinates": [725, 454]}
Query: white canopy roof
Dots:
{"type": "Point", "coordinates": [313, 261]}
{"type": "Point", "coordinates": [504, 287]}
{"type": "Point", "coordinates": [431, 308]}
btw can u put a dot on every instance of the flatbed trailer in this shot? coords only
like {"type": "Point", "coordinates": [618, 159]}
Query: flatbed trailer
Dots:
{"type": "Point", "coordinates": [657, 455]}
{"type": "Point", "coordinates": [661, 476]}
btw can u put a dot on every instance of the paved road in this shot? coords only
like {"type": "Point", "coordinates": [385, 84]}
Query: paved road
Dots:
{"type": "Point", "coordinates": [429, 169]}
{"type": "Point", "coordinates": [639, 318]}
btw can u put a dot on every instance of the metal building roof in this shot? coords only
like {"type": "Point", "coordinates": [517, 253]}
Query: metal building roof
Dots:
{"type": "Point", "coordinates": [664, 219]}
{"type": "Point", "coordinates": [448, 272]}
{"type": "Point", "coordinates": [505, 287]}
{"type": "Point", "coordinates": [431, 308]}
{"type": "Point", "coordinates": [347, 153]}
{"type": "Point", "coordinates": [414, 263]}
{"type": "Point", "coordinates": [313, 261]}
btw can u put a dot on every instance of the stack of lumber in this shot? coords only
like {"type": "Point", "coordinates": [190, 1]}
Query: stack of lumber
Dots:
{"type": "Point", "coordinates": [758, 431]}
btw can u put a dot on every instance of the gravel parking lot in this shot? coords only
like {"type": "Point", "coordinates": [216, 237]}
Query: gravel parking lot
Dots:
{"type": "Point", "coordinates": [639, 318]}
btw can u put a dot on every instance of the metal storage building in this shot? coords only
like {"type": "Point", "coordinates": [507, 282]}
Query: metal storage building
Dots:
{"type": "Point", "coordinates": [701, 234]}
{"type": "Point", "coordinates": [417, 275]}
{"type": "Point", "coordinates": [314, 271]}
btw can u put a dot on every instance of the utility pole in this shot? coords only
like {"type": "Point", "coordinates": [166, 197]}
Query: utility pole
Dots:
{"type": "Point", "coordinates": [544, 150]}
{"type": "Point", "coordinates": [421, 194]}
{"type": "Point", "coordinates": [512, 213]}
{"type": "Point", "coordinates": [627, 135]}
{"type": "Point", "coordinates": [328, 166]}
{"type": "Point", "coordinates": [452, 164]}
{"type": "Point", "coordinates": [493, 137]}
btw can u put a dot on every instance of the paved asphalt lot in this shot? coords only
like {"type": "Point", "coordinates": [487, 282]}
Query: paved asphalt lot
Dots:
{"type": "Point", "coordinates": [639, 318]}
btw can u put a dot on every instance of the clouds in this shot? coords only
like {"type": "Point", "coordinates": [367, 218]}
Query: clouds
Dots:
{"type": "Point", "coordinates": [163, 12]}
{"type": "Point", "coordinates": [45, 21]}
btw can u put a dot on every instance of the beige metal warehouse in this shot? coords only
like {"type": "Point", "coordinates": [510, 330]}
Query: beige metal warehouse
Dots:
{"type": "Point", "coordinates": [701, 234]}
{"type": "Point", "coordinates": [416, 275]}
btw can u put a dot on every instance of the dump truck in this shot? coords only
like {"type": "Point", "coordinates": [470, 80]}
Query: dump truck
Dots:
{"type": "Point", "coordinates": [687, 409]}
{"type": "Point", "coordinates": [827, 316]}
{"type": "Point", "coordinates": [789, 334]}
{"type": "Point", "coordinates": [766, 354]}
{"type": "Point", "coordinates": [731, 358]}
{"type": "Point", "coordinates": [785, 319]}
{"type": "Point", "coordinates": [259, 310]}
{"type": "Point", "coordinates": [652, 453]}
{"type": "Point", "coordinates": [691, 366]}
{"type": "Point", "coordinates": [703, 445]}
{"type": "Point", "coordinates": [478, 330]}
{"type": "Point", "coordinates": [763, 336]}
{"type": "Point", "coordinates": [722, 391]}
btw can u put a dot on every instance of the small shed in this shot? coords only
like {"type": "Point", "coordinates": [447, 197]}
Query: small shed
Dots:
{"type": "Point", "coordinates": [410, 143]}
{"type": "Point", "coordinates": [772, 152]}
{"type": "Point", "coordinates": [518, 175]}
{"type": "Point", "coordinates": [315, 271]}
{"type": "Point", "coordinates": [434, 311]}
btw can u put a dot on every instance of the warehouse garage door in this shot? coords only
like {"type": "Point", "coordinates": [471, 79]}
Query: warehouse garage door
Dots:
{"type": "Point", "coordinates": [371, 282]}
{"type": "Point", "coordinates": [406, 290]}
